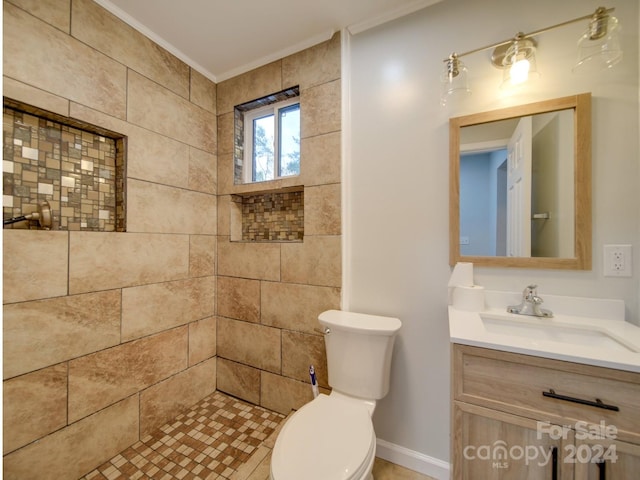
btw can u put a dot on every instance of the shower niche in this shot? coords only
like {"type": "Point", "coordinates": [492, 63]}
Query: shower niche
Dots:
{"type": "Point", "coordinates": [60, 173]}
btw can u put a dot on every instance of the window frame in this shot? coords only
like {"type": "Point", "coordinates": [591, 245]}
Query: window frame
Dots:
{"type": "Point", "coordinates": [249, 116]}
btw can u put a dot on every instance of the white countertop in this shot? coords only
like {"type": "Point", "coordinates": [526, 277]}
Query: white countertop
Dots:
{"type": "Point", "coordinates": [616, 343]}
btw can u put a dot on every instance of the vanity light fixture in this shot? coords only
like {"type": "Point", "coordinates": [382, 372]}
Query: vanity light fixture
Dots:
{"type": "Point", "coordinates": [598, 47]}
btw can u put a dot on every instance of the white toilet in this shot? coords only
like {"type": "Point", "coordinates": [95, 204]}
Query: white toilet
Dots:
{"type": "Point", "coordinates": [332, 437]}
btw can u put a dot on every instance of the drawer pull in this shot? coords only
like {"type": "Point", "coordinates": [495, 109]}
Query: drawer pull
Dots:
{"type": "Point", "coordinates": [602, 471]}
{"type": "Point", "coordinates": [598, 403]}
{"type": "Point", "coordinates": [554, 463]}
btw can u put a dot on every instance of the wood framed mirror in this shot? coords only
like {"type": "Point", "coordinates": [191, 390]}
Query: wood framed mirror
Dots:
{"type": "Point", "coordinates": [520, 186]}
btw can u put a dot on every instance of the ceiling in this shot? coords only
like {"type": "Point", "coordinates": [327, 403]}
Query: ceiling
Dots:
{"type": "Point", "coordinates": [224, 38]}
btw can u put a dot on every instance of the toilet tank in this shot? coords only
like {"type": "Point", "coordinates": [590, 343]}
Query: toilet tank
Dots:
{"type": "Point", "coordinates": [359, 348]}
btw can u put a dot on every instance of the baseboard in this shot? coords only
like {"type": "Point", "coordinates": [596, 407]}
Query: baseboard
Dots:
{"type": "Point", "coordinates": [416, 461]}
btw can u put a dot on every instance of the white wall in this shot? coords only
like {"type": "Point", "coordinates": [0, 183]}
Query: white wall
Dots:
{"type": "Point", "coordinates": [397, 187]}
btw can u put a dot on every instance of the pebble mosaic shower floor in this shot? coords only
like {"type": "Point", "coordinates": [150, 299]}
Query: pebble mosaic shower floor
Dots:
{"type": "Point", "coordinates": [209, 442]}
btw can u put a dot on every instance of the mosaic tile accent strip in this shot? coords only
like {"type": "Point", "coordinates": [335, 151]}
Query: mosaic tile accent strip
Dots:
{"type": "Point", "coordinates": [78, 172]}
{"type": "Point", "coordinates": [208, 442]}
{"type": "Point", "coordinates": [272, 217]}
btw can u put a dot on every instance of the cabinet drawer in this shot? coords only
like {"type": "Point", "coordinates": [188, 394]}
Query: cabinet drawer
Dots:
{"type": "Point", "coordinates": [515, 383]}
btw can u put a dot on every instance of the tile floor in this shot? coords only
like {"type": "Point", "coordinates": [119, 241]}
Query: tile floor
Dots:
{"type": "Point", "coordinates": [221, 437]}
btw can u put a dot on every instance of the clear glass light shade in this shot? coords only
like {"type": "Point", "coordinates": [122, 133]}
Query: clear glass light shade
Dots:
{"type": "Point", "coordinates": [455, 81]}
{"type": "Point", "coordinates": [519, 63]}
{"type": "Point", "coordinates": [599, 47]}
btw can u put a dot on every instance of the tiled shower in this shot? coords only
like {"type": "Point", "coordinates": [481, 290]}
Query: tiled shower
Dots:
{"type": "Point", "coordinates": [108, 334]}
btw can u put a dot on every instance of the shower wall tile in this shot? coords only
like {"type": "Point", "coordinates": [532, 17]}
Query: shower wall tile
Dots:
{"type": "Point", "coordinates": [257, 83]}
{"type": "Point", "coordinates": [152, 106]}
{"type": "Point", "coordinates": [313, 66]}
{"type": "Point", "coordinates": [299, 350]}
{"type": "Point", "coordinates": [239, 380]}
{"type": "Point", "coordinates": [167, 399]}
{"type": "Point", "coordinates": [30, 95]}
{"type": "Point", "coordinates": [226, 133]}
{"type": "Point", "coordinates": [203, 91]}
{"type": "Point", "coordinates": [239, 298]}
{"type": "Point", "coordinates": [202, 171]}
{"type": "Point", "coordinates": [202, 340]}
{"type": "Point", "coordinates": [54, 12]}
{"type": "Point", "coordinates": [97, 81]}
{"type": "Point", "coordinates": [58, 329]}
{"type": "Point", "coordinates": [103, 378]}
{"type": "Point", "coordinates": [322, 108]}
{"type": "Point", "coordinates": [322, 159]}
{"type": "Point", "coordinates": [110, 35]}
{"type": "Point", "coordinates": [34, 405]}
{"type": "Point", "coordinates": [317, 261]}
{"type": "Point", "coordinates": [149, 309]}
{"type": "Point", "coordinates": [248, 343]}
{"type": "Point", "coordinates": [34, 264]}
{"type": "Point", "coordinates": [322, 210]}
{"type": "Point", "coordinates": [73, 451]}
{"type": "Point", "coordinates": [249, 260]}
{"type": "Point", "coordinates": [283, 394]}
{"type": "Point", "coordinates": [202, 255]}
{"type": "Point", "coordinates": [296, 307]}
{"type": "Point", "coordinates": [126, 259]}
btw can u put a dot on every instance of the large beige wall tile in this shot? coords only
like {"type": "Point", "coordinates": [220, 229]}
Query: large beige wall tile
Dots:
{"type": "Point", "coordinates": [203, 171]}
{"type": "Point", "coordinates": [95, 26]}
{"type": "Point", "coordinates": [162, 209]}
{"type": "Point", "coordinates": [102, 378]}
{"type": "Point", "coordinates": [225, 174]}
{"type": "Point", "coordinates": [97, 80]}
{"type": "Point", "coordinates": [167, 399]}
{"type": "Point", "coordinates": [125, 259]}
{"type": "Point", "coordinates": [34, 405]}
{"type": "Point", "coordinates": [296, 307]}
{"type": "Point", "coordinates": [224, 215]}
{"type": "Point", "coordinates": [27, 94]}
{"type": "Point", "coordinates": [322, 210]}
{"type": "Point", "coordinates": [257, 83]}
{"type": "Point", "coordinates": [149, 309]}
{"type": "Point", "coordinates": [321, 109]}
{"type": "Point", "coordinates": [320, 158]}
{"type": "Point", "coordinates": [239, 380]}
{"type": "Point", "coordinates": [34, 264]}
{"type": "Point", "coordinates": [249, 260]}
{"type": "Point", "coordinates": [202, 255]}
{"type": "Point", "coordinates": [299, 350]}
{"type": "Point", "coordinates": [226, 133]}
{"type": "Point", "coordinates": [152, 106]}
{"type": "Point", "coordinates": [249, 343]}
{"type": "Point", "coordinates": [73, 451]}
{"type": "Point", "coordinates": [202, 340]}
{"type": "Point", "coordinates": [316, 261]}
{"type": "Point", "coordinates": [45, 332]}
{"type": "Point", "coordinates": [283, 394]}
{"type": "Point", "coordinates": [203, 91]}
{"type": "Point", "coordinates": [239, 298]}
{"type": "Point", "coordinates": [313, 66]}
{"type": "Point", "coordinates": [55, 12]}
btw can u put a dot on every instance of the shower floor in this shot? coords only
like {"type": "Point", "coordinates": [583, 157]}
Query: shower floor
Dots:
{"type": "Point", "coordinates": [211, 441]}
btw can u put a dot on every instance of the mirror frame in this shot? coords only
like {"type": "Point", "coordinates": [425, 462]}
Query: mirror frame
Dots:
{"type": "Point", "coordinates": [581, 105]}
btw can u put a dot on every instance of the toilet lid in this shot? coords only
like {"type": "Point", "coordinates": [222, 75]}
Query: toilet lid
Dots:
{"type": "Point", "coordinates": [328, 438]}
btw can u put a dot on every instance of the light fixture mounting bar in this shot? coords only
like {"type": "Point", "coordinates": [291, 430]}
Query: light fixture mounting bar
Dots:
{"type": "Point", "coordinates": [600, 11]}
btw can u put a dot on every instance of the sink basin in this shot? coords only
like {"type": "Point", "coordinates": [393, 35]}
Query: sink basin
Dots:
{"type": "Point", "coordinates": [534, 330]}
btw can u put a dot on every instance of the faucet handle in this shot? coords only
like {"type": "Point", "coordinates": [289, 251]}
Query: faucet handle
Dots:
{"type": "Point", "coordinates": [529, 291]}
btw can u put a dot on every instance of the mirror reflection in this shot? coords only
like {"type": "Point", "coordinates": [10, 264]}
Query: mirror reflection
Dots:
{"type": "Point", "coordinates": [516, 187]}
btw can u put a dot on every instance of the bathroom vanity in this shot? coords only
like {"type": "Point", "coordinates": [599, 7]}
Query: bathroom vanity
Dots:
{"type": "Point", "coordinates": [545, 398]}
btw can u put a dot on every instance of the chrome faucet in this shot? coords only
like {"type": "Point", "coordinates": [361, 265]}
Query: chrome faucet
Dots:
{"type": "Point", "coordinates": [530, 304]}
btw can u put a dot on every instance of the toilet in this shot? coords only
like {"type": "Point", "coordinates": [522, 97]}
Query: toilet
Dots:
{"type": "Point", "coordinates": [332, 437]}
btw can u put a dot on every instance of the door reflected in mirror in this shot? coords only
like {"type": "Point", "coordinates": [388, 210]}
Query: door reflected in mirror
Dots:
{"type": "Point", "coordinates": [520, 186]}
{"type": "Point", "coordinates": [516, 187]}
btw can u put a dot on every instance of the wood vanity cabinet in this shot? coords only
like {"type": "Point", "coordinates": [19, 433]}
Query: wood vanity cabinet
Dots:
{"type": "Point", "coordinates": [523, 417]}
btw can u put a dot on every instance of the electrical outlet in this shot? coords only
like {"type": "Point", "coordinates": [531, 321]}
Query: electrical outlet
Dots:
{"type": "Point", "coordinates": [617, 260]}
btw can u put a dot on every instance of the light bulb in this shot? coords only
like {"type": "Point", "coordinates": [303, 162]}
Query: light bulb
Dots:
{"type": "Point", "coordinates": [519, 71]}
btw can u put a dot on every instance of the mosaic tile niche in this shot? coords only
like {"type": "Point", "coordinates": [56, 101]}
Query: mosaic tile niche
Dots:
{"type": "Point", "coordinates": [269, 217]}
{"type": "Point", "coordinates": [78, 169]}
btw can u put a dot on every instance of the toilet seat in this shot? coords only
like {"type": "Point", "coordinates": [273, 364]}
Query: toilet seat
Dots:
{"type": "Point", "coordinates": [329, 438]}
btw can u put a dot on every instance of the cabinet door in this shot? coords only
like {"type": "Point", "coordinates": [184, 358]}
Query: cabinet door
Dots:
{"type": "Point", "coordinates": [606, 460]}
{"type": "Point", "coordinates": [492, 445]}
